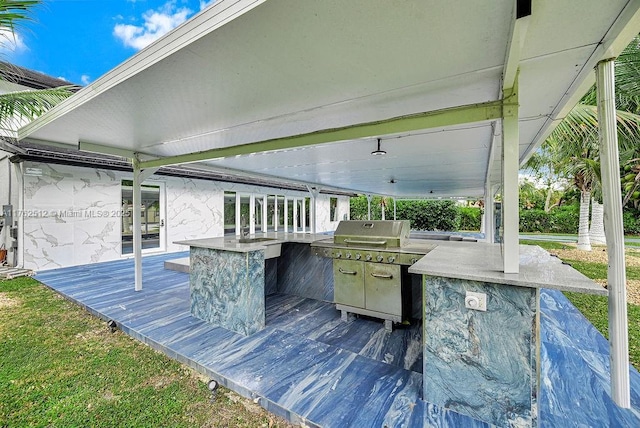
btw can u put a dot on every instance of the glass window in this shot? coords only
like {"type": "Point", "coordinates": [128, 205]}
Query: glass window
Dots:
{"type": "Point", "coordinates": [229, 213]}
{"type": "Point", "coordinates": [150, 213]}
{"type": "Point", "coordinates": [333, 209]}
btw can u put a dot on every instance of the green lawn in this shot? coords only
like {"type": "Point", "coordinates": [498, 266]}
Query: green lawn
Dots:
{"type": "Point", "coordinates": [62, 367]}
{"type": "Point", "coordinates": [595, 308]}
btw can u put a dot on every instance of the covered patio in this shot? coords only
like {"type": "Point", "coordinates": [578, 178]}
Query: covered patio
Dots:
{"type": "Point", "coordinates": [398, 98]}
{"type": "Point", "coordinates": [310, 368]}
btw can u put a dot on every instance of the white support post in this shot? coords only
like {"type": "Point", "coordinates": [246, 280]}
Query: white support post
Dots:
{"type": "Point", "coordinates": [510, 167]}
{"type": "Point", "coordinates": [285, 215]}
{"type": "Point", "coordinates": [139, 176]}
{"type": "Point", "coordinates": [614, 231]}
{"type": "Point", "coordinates": [489, 214]}
{"type": "Point", "coordinates": [369, 207]}
{"type": "Point", "coordinates": [395, 209]}
{"type": "Point", "coordinates": [313, 218]}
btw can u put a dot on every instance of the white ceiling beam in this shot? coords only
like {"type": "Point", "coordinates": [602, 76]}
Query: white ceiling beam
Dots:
{"type": "Point", "coordinates": [433, 119]}
{"type": "Point", "coordinates": [519, 26]}
{"type": "Point", "coordinates": [107, 150]}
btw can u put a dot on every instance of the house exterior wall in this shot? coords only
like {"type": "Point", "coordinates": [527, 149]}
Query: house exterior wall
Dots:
{"type": "Point", "coordinates": [9, 195]}
{"type": "Point", "coordinates": [73, 215]}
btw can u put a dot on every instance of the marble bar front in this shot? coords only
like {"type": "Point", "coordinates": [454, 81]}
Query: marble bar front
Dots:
{"type": "Point", "coordinates": [230, 277]}
{"type": "Point", "coordinates": [486, 363]}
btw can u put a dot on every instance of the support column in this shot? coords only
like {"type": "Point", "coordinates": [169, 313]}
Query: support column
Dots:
{"type": "Point", "coordinates": [614, 231]}
{"type": "Point", "coordinates": [510, 167]}
{"type": "Point", "coordinates": [314, 191]}
{"type": "Point", "coordinates": [489, 220]}
{"type": "Point", "coordinates": [139, 175]}
{"type": "Point", "coordinates": [395, 209]}
{"type": "Point", "coordinates": [369, 207]}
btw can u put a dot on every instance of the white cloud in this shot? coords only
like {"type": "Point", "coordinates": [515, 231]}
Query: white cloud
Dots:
{"type": "Point", "coordinates": [157, 23]}
{"type": "Point", "coordinates": [85, 79]}
{"type": "Point", "coordinates": [11, 42]}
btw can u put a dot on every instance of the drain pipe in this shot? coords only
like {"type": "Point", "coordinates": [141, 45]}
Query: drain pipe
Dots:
{"type": "Point", "coordinates": [4, 226]}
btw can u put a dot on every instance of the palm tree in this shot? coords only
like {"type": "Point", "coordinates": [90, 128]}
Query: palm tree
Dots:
{"type": "Point", "coordinates": [21, 106]}
{"type": "Point", "coordinates": [574, 142]}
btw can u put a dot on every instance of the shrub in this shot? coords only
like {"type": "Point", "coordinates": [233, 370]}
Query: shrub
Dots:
{"type": "Point", "coordinates": [562, 219]}
{"type": "Point", "coordinates": [470, 218]}
{"type": "Point", "coordinates": [631, 222]}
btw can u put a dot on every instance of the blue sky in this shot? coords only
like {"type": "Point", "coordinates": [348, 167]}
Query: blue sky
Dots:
{"type": "Point", "coordinates": [80, 40]}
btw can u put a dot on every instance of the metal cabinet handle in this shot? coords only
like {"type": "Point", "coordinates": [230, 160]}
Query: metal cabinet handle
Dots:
{"type": "Point", "coordinates": [379, 275]}
{"type": "Point", "coordinates": [347, 272]}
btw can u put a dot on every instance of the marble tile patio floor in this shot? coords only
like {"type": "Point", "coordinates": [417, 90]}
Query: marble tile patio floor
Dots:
{"type": "Point", "coordinates": [311, 368]}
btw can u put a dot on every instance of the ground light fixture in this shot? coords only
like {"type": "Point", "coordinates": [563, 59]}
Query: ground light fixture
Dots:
{"type": "Point", "coordinates": [378, 151]}
{"type": "Point", "coordinates": [213, 387]}
{"type": "Point", "coordinates": [112, 325]}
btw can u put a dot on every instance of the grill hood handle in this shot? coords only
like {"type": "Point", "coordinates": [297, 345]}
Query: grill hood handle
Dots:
{"type": "Point", "coordinates": [361, 242]}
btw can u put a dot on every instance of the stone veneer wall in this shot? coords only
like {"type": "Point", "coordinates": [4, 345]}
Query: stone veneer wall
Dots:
{"type": "Point", "coordinates": [227, 289]}
{"type": "Point", "coordinates": [301, 273]}
{"type": "Point", "coordinates": [70, 214]}
{"type": "Point", "coordinates": [482, 364]}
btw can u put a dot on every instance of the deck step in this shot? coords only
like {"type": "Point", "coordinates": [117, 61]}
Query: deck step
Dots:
{"type": "Point", "coordinates": [11, 272]}
{"type": "Point", "coordinates": [180, 265]}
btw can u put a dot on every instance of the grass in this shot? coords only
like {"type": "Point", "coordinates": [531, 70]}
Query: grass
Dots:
{"type": "Point", "coordinates": [547, 245]}
{"type": "Point", "coordinates": [62, 367]}
{"type": "Point", "coordinates": [595, 308]}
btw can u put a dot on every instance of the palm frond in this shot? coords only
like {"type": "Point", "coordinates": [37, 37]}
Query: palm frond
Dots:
{"type": "Point", "coordinates": [17, 107]}
{"type": "Point", "coordinates": [580, 127]}
{"type": "Point", "coordinates": [14, 11]}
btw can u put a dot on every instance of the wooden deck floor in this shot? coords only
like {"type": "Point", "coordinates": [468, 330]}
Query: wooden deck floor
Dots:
{"type": "Point", "coordinates": [310, 367]}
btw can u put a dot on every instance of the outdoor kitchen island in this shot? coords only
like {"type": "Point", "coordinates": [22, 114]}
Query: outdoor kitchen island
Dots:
{"type": "Point", "coordinates": [229, 277]}
{"type": "Point", "coordinates": [481, 328]}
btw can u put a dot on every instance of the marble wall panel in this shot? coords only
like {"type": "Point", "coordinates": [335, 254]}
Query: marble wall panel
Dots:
{"type": "Point", "coordinates": [71, 216]}
{"type": "Point", "coordinates": [194, 210]}
{"type": "Point", "coordinates": [482, 364]}
{"type": "Point", "coordinates": [227, 289]}
{"type": "Point", "coordinates": [304, 274]}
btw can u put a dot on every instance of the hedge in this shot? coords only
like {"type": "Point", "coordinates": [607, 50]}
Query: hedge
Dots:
{"type": "Point", "coordinates": [445, 215]}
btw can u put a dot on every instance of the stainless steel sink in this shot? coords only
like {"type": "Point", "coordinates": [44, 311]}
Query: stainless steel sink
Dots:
{"type": "Point", "coordinates": [252, 240]}
{"type": "Point", "coordinates": [271, 250]}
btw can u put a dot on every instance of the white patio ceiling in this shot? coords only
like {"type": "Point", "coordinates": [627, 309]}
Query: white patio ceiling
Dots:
{"type": "Point", "coordinates": [247, 71]}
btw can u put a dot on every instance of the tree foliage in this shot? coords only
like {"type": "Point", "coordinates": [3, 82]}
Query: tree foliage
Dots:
{"type": "Point", "coordinates": [18, 107]}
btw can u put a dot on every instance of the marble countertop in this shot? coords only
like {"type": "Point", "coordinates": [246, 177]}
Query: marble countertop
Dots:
{"type": "Point", "coordinates": [474, 261]}
{"type": "Point", "coordinates": [412, 246]}
{"type": "Point", "coordinates": [480, 261]}
{"type": "Point", "coordinates": [231, 243]}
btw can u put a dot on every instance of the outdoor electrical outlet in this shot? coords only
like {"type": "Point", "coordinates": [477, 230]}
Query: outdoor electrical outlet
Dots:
{"type": "Point", "coordinates": [475, 301]}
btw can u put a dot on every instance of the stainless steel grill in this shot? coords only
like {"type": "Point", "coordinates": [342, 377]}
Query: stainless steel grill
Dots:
{"type": "Point", "coordinates": [370, 262]}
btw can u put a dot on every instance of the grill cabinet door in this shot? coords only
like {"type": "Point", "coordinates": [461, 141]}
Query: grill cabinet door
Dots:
{"type": "Point", "coordinates": [382, 288]}
{"type": "Point", "coordinates": [348, 282]}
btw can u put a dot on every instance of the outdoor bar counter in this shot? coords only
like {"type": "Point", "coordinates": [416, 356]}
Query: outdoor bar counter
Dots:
{"type": "Point", "coordinates": [483, 363]}
{"type": "Point", "coordinates": [229, 279]}
{"type": "Point", "coordinates": [486, 364]}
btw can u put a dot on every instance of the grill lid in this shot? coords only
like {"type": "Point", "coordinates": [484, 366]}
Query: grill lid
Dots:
{"type": "Point", "coordinates": [372, 233]}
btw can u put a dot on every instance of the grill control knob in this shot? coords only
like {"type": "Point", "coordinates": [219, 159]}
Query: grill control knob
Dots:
{"type": "Point", "coordinates": [338, 254]}
{"type": "Point", "coordinates": [391, 259]}
{"type": "Point", "coordinates": [358, 256]}
{"type": "Point", "coordinates": [379, 258]}
{"type": "Point", "coordinates": [368, 257]}
{"type": "Point", "coordinates": [348, 255]}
